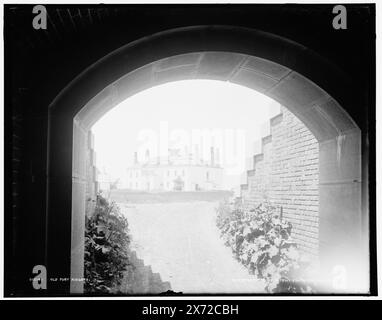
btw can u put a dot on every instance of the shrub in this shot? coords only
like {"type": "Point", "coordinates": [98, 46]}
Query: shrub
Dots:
{"type": "Point", "coordinates": [106, 248]}
{"type": "Point", "coordinates": [262, 242]}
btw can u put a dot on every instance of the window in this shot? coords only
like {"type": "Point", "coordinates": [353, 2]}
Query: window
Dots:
{"type": "Point", "coordinates": [207, 175]}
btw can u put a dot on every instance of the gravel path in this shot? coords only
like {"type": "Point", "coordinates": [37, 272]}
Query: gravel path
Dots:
{"type": "Point", "coordinates": [182, 243]}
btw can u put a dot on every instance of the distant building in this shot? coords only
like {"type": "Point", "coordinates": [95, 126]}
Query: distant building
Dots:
{"type": "Point", "coordinates": [174, 174]}
{"type": "Point", "coordinates": [105, 181]}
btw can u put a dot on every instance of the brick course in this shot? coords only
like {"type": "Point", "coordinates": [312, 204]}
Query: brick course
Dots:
{"type": "Point", "coordinates": [286, 174]}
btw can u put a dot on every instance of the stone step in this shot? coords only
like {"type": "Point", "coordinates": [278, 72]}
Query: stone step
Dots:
{"type": "Point", "coordinates": [140, 279]}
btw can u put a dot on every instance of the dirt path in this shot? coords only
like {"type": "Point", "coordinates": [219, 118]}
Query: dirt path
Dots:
{"type": "Point", "coordinates": [182, 243]}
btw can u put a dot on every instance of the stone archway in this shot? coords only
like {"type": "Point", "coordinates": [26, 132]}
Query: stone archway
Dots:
{"type": "Point", "coordinates": [287, 72]}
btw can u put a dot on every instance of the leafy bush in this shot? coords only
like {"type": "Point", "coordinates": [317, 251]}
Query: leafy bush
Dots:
{"type": "Point", "coordinates": [106, 248]}
{"type": "Point", "coordinates": [262, 242]}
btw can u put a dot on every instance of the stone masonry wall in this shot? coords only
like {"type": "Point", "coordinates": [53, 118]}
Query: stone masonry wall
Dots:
{"type": "Point", "coordinates": [286, 174]}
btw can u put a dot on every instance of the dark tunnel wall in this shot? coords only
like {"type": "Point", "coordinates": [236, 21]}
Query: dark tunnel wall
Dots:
{"type": "Point", "coordinates": [39, 64]}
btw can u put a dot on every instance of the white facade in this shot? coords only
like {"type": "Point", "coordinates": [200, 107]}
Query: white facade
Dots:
{"type": "Point", "coordinates": [173, 177]}
{"type": "Point", "coordinates": [175, 173]}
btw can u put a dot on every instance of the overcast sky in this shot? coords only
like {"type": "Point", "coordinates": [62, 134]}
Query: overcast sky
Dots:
{"type": "Point", "coordinates": [186, 105]}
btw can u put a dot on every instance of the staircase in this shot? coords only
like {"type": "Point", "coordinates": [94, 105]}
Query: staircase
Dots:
{"type": "Point", "coordinates": [140, 279]}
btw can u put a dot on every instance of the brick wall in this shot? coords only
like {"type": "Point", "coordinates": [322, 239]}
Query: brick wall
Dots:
{"type": "Point", "coordinates": [286, 174]}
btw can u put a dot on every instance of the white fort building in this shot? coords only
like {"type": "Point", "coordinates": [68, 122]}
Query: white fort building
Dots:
{"type": "Point", "coordinates": [175, 173]}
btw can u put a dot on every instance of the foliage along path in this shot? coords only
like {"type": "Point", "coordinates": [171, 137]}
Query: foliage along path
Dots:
{"type": "Point", "coordinates": [181, 242]}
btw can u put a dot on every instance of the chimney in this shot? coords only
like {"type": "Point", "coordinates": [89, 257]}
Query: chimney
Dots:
{"type": "Point", "coordinates": [147, 156]}
{"type": "Point", "coordinates": [135, 158]}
